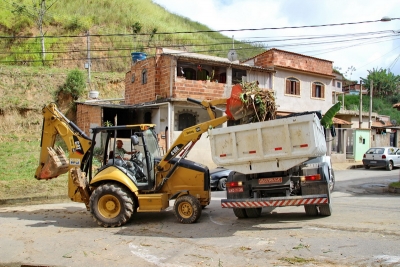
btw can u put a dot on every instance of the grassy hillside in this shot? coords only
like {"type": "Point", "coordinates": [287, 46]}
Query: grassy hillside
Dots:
{"type": "Point", "coordinates": [24, 91]}
{"type": "Point", "coordinates": [112, 37]}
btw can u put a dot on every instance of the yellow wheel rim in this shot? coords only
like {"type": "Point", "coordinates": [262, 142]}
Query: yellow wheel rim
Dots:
{"type": "Point", "coordinates": [185, 210]}
{"type": "Point", "coordinates": [109, 206]}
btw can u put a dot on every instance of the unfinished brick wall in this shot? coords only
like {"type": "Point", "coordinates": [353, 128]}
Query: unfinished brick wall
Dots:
{"type": "Point", "coordinates": [86, 114]}
{"type": "Point", "coordinates": [275, 57]}
{"type": "Point", "coordinates": [159, 70]}
{"type": "Point", "coordinates": [135, 90]}
{"type": "Point", "coordinates": [166, 66]}
{"type": "Point", "coordinates": [197, 89]}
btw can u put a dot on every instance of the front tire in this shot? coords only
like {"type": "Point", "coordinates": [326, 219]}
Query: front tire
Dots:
{"type": "Point", "coordinates": [111, 205]}
{"type": "Point", "coordinates": [187, 209]}
{"type": "Point", "coordinates": [222, 184]}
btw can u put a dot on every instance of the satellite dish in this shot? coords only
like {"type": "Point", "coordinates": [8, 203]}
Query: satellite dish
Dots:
{"type": "Point", "coordinates": [232, 55]}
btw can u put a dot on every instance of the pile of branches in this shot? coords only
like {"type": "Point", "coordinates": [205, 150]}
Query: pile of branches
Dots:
{"type": "Point", "coordinates": [262, 102]}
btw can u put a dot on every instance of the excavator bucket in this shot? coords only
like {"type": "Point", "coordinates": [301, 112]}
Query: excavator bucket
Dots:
{"type": "Point", "coordinates": [56, 164]}
{"type": "Point", "coordinates": [235, 109]}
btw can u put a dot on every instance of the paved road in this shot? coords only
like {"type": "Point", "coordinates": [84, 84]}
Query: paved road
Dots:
{"type": "Point", "coordinates": [362, 231]}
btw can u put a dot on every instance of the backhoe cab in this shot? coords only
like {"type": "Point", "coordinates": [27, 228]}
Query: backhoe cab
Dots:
{"type": "Point", "coordinates": [114, 188]}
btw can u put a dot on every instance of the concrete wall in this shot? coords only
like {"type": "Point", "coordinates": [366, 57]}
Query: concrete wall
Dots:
{"type": "Point", "coordinates": [304, 101]}
{"type": "Point", "coordinates": [379, 139]}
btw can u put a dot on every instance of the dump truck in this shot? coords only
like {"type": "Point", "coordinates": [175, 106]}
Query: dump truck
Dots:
{"type": "Point", "coordinates": [275, 163]}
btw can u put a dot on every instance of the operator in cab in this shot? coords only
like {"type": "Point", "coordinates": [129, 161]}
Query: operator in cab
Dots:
{"type": "Point", "coordinates": [120, 151]}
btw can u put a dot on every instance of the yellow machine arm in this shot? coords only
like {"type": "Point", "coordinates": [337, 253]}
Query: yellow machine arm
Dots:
{"type": "Point", "coordinates": [192, 134]}
{"type": "Point", "coordinates": [53, 161]}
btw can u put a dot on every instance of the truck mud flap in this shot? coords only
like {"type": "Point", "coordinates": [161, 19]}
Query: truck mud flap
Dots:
{"type": "Point", "coordinates": [275, 201]}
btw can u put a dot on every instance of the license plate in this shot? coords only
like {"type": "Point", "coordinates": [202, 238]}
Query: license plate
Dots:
{"type": "Point", "coordinates": [372, 161]}
{"type": "Point", "coordinates": [235, 190]}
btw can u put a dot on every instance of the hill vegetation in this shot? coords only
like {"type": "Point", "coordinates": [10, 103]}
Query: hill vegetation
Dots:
{"type": "Point", "coordinates": [116, 28]}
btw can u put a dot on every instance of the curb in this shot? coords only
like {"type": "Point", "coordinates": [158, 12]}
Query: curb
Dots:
{"type": "Point", "coordinates": [358, 166]}
{"type": "Point", "coordinates": [394, 190]}
{"type": "Point", "coordinates": [31, 200]}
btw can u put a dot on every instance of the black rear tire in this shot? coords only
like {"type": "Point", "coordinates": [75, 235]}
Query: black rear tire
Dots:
{"type": "Point", "coordinates": [111, 205]}
{"type": "Point", "coordinates": [366, 167]}
{"type": "Point", "coordinates": [240, 213]}
{"type": "Point", "coordinates": [311, 210]}
{"type": "Point", "coordinates": [389, 167]}
{"type": "Point", "coordinates": [325, 210]}
{"type": "Point", "coordinates": [332, 182]}
{"type": "Point", "coordinates": [253, 212]}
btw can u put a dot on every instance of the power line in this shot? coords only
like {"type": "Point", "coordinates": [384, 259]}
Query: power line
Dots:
{"type": "Point", "coordinates": [207, 31]}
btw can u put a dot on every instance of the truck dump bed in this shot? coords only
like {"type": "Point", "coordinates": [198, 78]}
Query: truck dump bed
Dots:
{"type": "Point", "coordinates": [275, 145]}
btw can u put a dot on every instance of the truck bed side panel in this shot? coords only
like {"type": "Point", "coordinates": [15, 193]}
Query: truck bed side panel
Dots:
{"type": "Point", "coordinates": [274, 145]}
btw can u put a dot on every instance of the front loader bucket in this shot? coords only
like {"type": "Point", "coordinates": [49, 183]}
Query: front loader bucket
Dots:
{"type": "Point", "coordinates": [56, 164]}
{"type": "Point", "coordinates": [235, 109]}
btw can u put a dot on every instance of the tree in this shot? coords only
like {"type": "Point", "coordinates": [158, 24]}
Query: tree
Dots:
{"type": "Point", "coordinates": [38, 15]}
{"type": "Point", "coordinates": [385, 83]}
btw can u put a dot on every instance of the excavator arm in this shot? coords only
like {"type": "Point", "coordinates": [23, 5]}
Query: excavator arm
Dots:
{"type": "Point", "coordinates": [190, 135]}
{"type": "Point", "coordinates": [53, 161]}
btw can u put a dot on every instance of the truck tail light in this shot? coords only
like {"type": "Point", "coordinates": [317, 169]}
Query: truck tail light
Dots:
{"type": "Point", "coordinates": [234, 184]}
{"type": "Point", "coordinates": [364, 156]}
{"type": "Point", "coordinates": [314, 177]}
{"type": "Point", "coordinates": [383, 156]}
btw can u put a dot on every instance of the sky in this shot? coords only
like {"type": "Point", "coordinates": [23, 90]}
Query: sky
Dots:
{"type": "Point", "coordinates": [354, 49]}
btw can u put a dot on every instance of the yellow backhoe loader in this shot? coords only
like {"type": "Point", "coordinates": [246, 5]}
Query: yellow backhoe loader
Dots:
{"type": "Point", "coordinates": [119, 187]}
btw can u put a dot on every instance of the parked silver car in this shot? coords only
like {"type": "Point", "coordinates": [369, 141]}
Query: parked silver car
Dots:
{"type": "Point", "coordinates": [387, 157]}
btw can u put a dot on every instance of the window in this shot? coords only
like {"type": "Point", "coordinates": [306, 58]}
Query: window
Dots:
{"type": "Point", "coordinates": [292, 86]}
{"type": "Point", "coordinates": [144, 76]}
{"type": "Point", "coordinates": [318, 90]}
{"type": "Point", "coordinates": [222, 77]}
{"type": "Point", "coordinates": [339, 85]}
{"type": "Point", "coordinates": [202, 74]}
{"type": "Point", "coordinates": [186, 120]}
{"type": "Point", "coordinates": [188, 73]}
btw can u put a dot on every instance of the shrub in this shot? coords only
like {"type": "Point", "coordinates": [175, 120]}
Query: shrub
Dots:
{"type": "Point", "coordinates": [75, 84]}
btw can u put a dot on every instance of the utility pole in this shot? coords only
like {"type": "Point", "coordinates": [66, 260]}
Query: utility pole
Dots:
{"type": "Point", "coordinates": [360, 114]}
{"type": "Point", "coordinates": [371, 87]}
{"type": "Point", "coordinates": [88, 57]}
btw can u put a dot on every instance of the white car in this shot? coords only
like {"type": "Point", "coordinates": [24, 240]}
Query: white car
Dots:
{"type": "Point", "coordinates": [387, 157]}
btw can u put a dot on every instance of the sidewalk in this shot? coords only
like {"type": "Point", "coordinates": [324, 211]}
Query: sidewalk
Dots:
{"type": "Point", "coordinates": [340, 166]}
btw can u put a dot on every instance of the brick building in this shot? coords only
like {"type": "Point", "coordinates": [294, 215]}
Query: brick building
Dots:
{"type": "Point", "coordinates": [157, 88]}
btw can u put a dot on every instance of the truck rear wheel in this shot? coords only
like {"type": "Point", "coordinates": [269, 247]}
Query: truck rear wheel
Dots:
{"type": "Point", "coordinates": [325, 210]}
{"type": "Point", "coordinates": [187, 209]}
{"type": "Point", "coordinates": [240, 213]}
{"type": "Point", "coordinates": [254, 212]}
{"type": "Point", "coordinates": [311, 210]}
{"type": "Point", "coordinates": [111, 205]}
